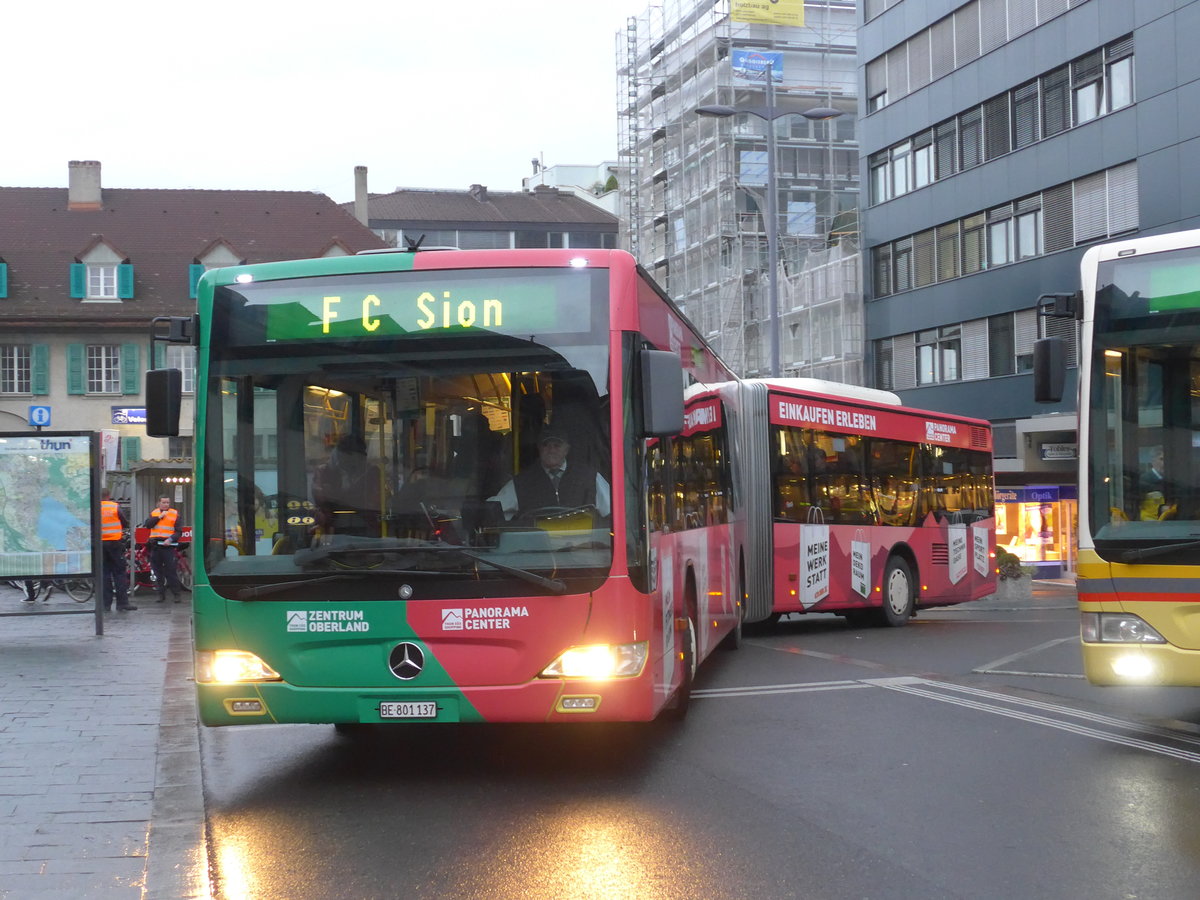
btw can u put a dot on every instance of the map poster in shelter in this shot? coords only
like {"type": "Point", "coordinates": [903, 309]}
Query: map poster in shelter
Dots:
{"type": "Point", "coordinates": [46, 484]}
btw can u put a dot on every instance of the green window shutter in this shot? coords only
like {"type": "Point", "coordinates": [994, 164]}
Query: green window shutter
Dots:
{"type": "Point", "coordinates": [131, 382]}
{"type": "Point", "coordinates": [76, 377]}
{"type": "Point", "coordinates": [125, 281]}
{"type": "Point", "coordinates": [194, 272]}
{"type": "Point", "coordinates": [78, 281]}
{"type": "Point", "coordinates": [131, 451]}
{"type": "Point", "coordinates": [3, 279]}
{"type": "Point", "coordinates": [39, 369]}
{"type": "Point", "coordinates": [160, 355]}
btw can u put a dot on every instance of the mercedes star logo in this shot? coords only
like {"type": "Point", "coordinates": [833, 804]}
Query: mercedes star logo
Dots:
{"type": "Point", "coordinates": [407, 661]}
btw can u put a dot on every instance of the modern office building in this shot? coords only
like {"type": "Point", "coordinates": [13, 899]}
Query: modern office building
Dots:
{"type": "Point", "coordinates": [694, 188]}
{"type": "Point", "coordinates": [1000, 138]}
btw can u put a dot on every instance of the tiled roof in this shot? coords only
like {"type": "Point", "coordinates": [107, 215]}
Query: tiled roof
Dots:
{"type": "Point", "coordinates": [163, 232]}
{"type": "Point", "coordinates": [483, 207]}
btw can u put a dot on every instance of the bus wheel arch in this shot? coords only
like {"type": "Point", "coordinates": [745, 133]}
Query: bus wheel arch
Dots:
{"type": "Point", "coordinates": [733, 640]}
{"type": "Point", "coordinates": [677, 707]}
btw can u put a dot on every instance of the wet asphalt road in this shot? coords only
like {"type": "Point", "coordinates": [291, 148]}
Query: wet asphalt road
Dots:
{"type": "Point", "coordinates": [961, 756]}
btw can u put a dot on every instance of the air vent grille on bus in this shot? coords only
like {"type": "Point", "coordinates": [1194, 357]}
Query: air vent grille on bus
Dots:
{"type": "Point", "coordinates": [979, 437]}
{"type": "Point", "coordinates": [941, 554]}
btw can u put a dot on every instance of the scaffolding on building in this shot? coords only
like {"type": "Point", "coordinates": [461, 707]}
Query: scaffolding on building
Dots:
{"type": "Point", "coordinates": [693, 188]}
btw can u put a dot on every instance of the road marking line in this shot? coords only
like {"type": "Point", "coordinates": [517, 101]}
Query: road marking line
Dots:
{"type": "Point", "coordinates": [768, 689]}
{"type": "Point", "coordinates": [989, 668]}
{"type": "Point", "coordinates": [927, 689]}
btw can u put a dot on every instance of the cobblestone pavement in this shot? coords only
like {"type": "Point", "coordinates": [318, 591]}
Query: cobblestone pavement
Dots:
{"type": "Point", "coordinates": [100, 793]}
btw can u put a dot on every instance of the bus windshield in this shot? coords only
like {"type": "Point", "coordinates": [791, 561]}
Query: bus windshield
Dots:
{"type": "Point", "coordinates": [1144, 474]}
{"type": "Point", "coordinates": [443, 433]}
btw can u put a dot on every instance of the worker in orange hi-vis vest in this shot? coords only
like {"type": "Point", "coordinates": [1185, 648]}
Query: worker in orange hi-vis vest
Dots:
{"type": "Point", "coordinates": [114, 576]}
{"type": "Point", "coordinates": [166, 529]}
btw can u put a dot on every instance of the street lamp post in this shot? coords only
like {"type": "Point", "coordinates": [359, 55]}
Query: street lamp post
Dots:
{"type": "Point", "coordinates": [769, 113]}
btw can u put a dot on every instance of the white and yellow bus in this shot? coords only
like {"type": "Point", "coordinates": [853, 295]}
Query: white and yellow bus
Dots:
{"type": "Point", "coordinates": [1139, 469]}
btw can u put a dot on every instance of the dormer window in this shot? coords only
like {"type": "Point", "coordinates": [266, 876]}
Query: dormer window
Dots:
{"type": "Point", "coordinates": [102, 273]}
{"type": "Point", "coordinates": [102, 282]}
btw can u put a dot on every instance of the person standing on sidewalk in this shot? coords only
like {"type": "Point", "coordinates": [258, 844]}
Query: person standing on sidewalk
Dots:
{"type": "Point", "coordinates": [165, 531]}
{"type": "Point", "coordinates": [114, 578]}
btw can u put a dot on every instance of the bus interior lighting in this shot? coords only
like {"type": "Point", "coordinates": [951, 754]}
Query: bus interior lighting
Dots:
{"type": "Point", "coordinates": [232, 667]}
{"type": "Point", "coordinates": [599, 662]}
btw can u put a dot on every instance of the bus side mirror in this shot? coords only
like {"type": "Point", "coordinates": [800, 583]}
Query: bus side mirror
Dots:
{"type": "Point", "coordinates": [1049, 369]}
{"type": "Point", "coordinates": [662, 393]}
{"type": "Point", "coordinates": [164, 397]}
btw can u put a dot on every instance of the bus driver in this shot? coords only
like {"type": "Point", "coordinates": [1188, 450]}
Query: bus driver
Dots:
{"type": "Point", "coordinates": [550, 482]}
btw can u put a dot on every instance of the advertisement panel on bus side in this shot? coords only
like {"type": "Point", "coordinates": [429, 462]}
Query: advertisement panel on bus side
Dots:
{"type": "Point", "coordinates": [915, 426]}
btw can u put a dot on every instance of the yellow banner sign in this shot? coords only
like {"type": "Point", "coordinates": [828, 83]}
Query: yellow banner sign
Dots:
{"type": "Point", "coordinates": [768, 12]}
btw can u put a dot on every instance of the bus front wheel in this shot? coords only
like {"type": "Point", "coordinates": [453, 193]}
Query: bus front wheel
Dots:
{"type": "Point", "coordinates": [899, 598]}
{"type": "Point", "coordinates": [677, 709]}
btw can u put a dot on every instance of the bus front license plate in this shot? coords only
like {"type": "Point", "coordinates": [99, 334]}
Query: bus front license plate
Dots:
{"type": "Point", "coordinates": [421, 709]}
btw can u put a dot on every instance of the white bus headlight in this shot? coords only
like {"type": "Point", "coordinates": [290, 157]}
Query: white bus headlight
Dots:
{"type": "Point", "coordinates": [1116, 628]}
{"type": "Point", "coordinates": [231, 667]}
{"type": "Point", "coordinates": [598, 662]}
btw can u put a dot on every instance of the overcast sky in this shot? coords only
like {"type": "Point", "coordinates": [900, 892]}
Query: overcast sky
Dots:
{"type": "Point", "coordinates": [262, 94]}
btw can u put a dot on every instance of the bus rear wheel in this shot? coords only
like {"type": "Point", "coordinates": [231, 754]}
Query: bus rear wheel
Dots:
{"type": "Point", "coordinates": [899, 598]}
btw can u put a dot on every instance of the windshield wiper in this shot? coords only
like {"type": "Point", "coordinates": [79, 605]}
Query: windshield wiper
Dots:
{"type": "Point", "coordinates": [555, 585]}
{"type": "Point", "coordinates": [333, 553]}
{"type": "Point", "coordinates": [261, 590]}
{"type": "Point", "coordinates": [1128, 556]}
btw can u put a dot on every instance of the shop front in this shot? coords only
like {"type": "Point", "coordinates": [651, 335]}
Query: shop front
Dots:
{"type": "Point", "coordinates": [1038, 524]}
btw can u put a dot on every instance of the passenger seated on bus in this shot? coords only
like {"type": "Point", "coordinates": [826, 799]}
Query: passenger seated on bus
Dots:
{"type": "Point", "coordinates": [894, 501]}
{"type": "Point", "coordinates": [347, 490]}
{"type": "Point", "coordinates": [553, 482]}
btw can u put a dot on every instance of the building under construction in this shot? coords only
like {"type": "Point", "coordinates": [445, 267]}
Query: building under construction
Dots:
{"type": "Point", "coordinates": [695, 191]}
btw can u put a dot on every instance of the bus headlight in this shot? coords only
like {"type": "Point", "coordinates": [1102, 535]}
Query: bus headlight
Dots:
{"type": "Point", "coordinates": [1116, 628]}
{"type": "Point", "coordinates": [231, 667]}
{"type": "Point", "coordinates": [599, 662]}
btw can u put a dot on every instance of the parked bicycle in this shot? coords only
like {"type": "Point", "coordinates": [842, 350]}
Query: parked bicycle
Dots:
{"type": "Point", "coordinates": [80, 590]}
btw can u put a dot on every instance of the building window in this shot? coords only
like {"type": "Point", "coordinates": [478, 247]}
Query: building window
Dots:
{"type": "Point", "coordinates": [14, 369]}
{"type": "Point", "coordinates": [883, 365]}
{"type": "Point", "coordinates": [970, 138]}
{"type": "Point", "coordinates": [1001, 346]}
{"type": "Point", "coordinates": [1088, 87]}
{"type": "Point", "coordinates": [1000, 242]}
{"type": "Point", "coordinates": [923, 162]}
{"type": "Point", "coordinates": [101, 282]}
{"type": "Point", "coordinates": [1103, 204]}
{"type": "Point", "coordinates": [103, 369]}
{"type": "Point", "coordinates": [1120, 83]}
{"type": "Point", "coordinates": [1028, 234]}
{"type": "Point", "coordinates": [879, 178]}
{"type": "Point", "coordinates": [973, 254]}
{"type": "Point", "coordinates": [183, 358]}
{"type": "Point", "coordinates": [927, 369]}
{"type": "Point", "coordinates": [900, 173]}
{"type": "Point", "coordinates": [1025, 115]}
{"type": "Point", "coordinates": [939, 354]}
